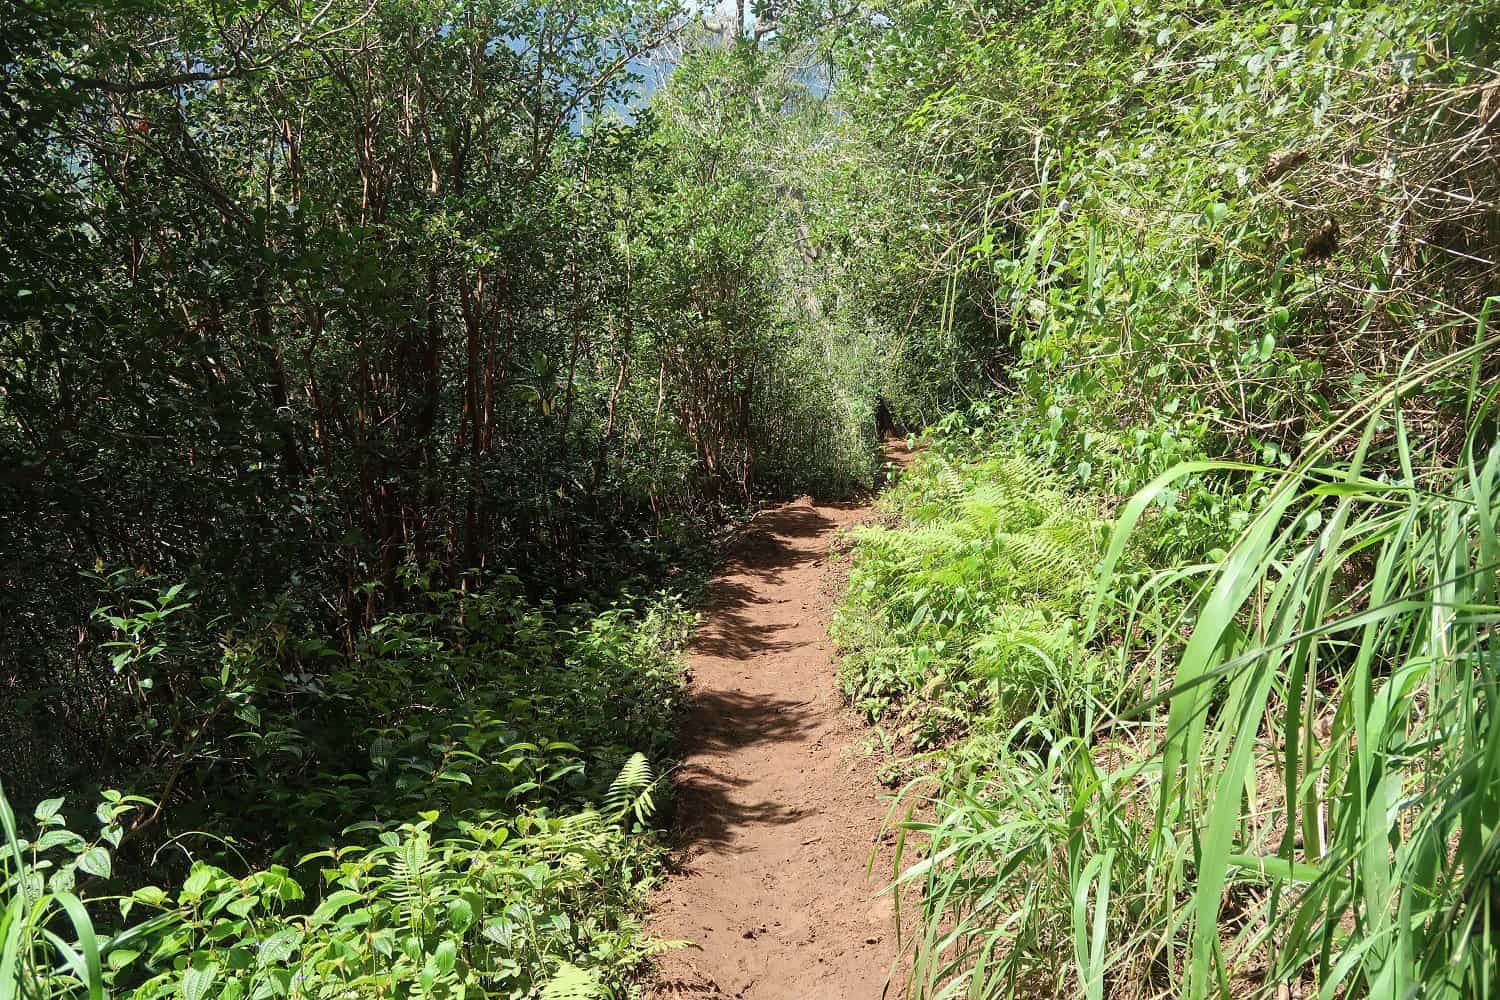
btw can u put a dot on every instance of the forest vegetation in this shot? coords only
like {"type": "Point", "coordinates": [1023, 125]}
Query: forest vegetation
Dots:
{"type": "Point", "coordinates": [378, 377]}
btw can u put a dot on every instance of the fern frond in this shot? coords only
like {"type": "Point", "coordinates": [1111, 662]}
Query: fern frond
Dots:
{"type": "Point", "coordinates": [572, 983]}
{"type": "Point", "coordinates": [631, 791]}
{"type": "Point", "coordinates": [654, 947]}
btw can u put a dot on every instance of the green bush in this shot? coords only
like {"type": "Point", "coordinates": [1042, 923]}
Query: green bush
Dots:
{"type": "Point", "coordinates": [968, 606]}
{"type": "Point", "coordinates": [463, 811]}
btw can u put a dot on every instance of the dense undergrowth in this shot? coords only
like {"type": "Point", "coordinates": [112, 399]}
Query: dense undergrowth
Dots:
{"type": "Point", "coordinates": [1023, 770]}
{"type": "Point", "coordinates": [368, 370]}
{"type": "Point", "coordinates": [488, 836]}
{"type": "Point", "coordinates": [969, 611]}
{"type": "Point", "coordinates": [1231, 731]}
{"type": "Point", "coordinates": [1269, 768]}
{"type": "Point", "coordinates": [371, 376]}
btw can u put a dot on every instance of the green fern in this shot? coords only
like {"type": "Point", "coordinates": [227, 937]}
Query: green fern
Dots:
{"type": "Point", "coordinates": [632, 791]}
{"type": "Point", "coordinates": [653, 947]}
{"type": "Point", "coordinates": [573, 983]}
{"type": "Point", "coordinates": [413, 872]}
{"type": "Point", "coordinates": [968, 610]}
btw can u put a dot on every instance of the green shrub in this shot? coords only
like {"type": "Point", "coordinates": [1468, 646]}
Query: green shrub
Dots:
{"type": "Point", "coordinates": [461, 809]}
{"type": "Point", "coordinates": [497, 910]}
{"type": "Point", "coordinates": [967, 608]}
{"type": "Point", "coordinates": [1304, 794]}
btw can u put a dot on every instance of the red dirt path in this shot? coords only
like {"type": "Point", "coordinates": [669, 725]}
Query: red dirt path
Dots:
{"type": "Point", "coordinates": [779, 809]}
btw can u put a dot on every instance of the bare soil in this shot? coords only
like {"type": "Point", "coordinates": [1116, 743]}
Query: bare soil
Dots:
{"type": "Point", "coordinates": [779, 808]}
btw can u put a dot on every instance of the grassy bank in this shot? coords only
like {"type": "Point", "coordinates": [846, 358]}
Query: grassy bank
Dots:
{"type": "Point", "coordinates": [1265, 768]}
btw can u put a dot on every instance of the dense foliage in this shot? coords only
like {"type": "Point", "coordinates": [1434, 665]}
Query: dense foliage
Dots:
{"type": "Point", "coordinates": [367, 371]}
{"type": "Point", "coordinates": [302, 297]}
{"type": "Point", "coordinates": [475, 837]}
{"type": "Point", "coordinates": [973, 608]}
{"type": "Point", "coordinates": [1244, 259]}
{"type": "Point", "coordinates": [374, 376]}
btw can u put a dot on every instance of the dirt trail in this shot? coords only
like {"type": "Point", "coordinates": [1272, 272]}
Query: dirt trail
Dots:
{"type": "Point", "coordinates": [778, 808]}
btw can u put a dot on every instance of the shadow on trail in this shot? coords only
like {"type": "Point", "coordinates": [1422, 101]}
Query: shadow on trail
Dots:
{"type": "Point", "coordinates": [757, 566]}
{"type": "Point", "coordinates": [710, 805]}
{"type": "Point", "coordinates": [719, 720]}
{"type": "Point", "coordinates": [769, 544]}
{"type": "Point", "coordinates": [728, 720]}
{"type": "Point", "coordinates": [733, 636]}
{"type": "Point", "coordinates": [775, 808]}
{"type": "Point", "coordinates": [683, 987]}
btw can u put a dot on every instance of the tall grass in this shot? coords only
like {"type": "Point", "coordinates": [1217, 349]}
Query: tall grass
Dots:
{"type": "Point", "coordinates": [1314, 795]}
{"type": "Point", "coordinates": [29, 922]}
{"type": "Point", "coordinates": [1347, 646]}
